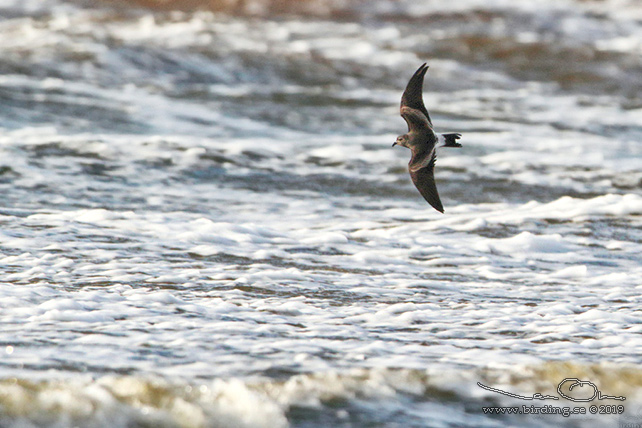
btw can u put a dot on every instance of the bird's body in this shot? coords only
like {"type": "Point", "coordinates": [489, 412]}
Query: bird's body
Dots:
{"type": "Point", "coordinates": [422, 140]}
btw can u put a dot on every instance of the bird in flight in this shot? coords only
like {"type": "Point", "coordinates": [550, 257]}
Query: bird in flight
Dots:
{"type": "Point", "coordinates": [422, 140]}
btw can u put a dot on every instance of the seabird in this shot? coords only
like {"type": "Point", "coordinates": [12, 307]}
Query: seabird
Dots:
{"type": "Point", "coordinates": [421, 139]}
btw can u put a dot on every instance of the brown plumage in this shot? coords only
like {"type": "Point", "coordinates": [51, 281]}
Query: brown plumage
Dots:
{"type": "Point", "coordinates": [421, 139]}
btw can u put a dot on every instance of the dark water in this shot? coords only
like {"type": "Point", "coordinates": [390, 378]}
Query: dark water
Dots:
{"type": "Point", "coordinates": [204, 224]}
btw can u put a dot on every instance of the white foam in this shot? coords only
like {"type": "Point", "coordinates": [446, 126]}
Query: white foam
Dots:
{"type": "Point", "coordinates": [526, 243]}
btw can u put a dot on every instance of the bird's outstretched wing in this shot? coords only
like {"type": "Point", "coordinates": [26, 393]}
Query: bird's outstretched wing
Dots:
{"type": "Point", "coordinates": [415, 119]}
{"type": "Point", "coordinates": [422, 172]}
{"type": "Point", "coordinates": [412, 96]}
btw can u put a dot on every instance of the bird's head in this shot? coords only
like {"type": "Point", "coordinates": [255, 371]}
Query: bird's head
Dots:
{"type": "Point", "coordinates": [402, 140]}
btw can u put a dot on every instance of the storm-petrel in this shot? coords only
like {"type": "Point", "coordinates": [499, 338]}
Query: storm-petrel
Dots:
{"type": "Point", "coordinates": [421, 139]}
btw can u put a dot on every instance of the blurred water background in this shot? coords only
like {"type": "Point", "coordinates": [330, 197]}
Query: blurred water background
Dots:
{"type": "Point", "coordinates": [203, 223]}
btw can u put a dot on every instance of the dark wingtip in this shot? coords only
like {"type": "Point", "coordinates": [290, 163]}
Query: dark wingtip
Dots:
{"type": "Point", "coordinates": [436, 204]}
{"type": "Point", "coordinates": [421, 71]}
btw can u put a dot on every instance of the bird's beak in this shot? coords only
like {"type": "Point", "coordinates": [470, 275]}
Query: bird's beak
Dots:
{"type": "Point", "coordinates": [394, 144]}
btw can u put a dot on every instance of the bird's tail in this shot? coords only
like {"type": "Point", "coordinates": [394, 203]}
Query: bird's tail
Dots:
{"type": "Point", "coordinates": [450, 140]}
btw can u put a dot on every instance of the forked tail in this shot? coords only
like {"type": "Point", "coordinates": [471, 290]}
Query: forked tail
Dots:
{"type": "Point", "coordinates": [450, 140]}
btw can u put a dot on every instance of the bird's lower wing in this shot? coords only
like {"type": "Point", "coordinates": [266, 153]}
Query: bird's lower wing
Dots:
{"type": "Point", "coordinates": [423, 175]}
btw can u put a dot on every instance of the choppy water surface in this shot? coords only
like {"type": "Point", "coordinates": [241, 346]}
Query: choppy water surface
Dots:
{"type": "Point", "coordinates": [204, 224]}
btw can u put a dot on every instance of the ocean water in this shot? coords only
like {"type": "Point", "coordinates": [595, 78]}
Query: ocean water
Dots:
{"type": "Point", "coordinates": [203, 223]}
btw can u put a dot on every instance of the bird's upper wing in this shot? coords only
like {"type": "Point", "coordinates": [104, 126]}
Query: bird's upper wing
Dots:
{"type": "Point", "coordinates": [422, 172]}
{"type": "Point", "coordinates": [415, 119]}
{"type": "Point", "coordinates": [412, 96]}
